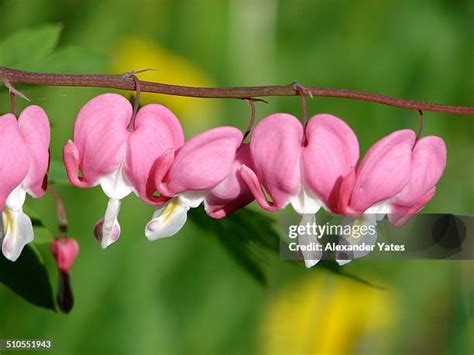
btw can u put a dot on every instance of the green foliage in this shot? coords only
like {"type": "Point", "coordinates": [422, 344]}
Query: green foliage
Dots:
{"type": "Point", "coordinates": [35, 49]}
{"type": "Point", "coordinates": [28, 277]}
{"type": "Point", "coordinates": [57, 173]}
{"type": "Point", "coordinates": [249, 236]}
{"type": "Point", "coordinates": [253, 240]}
{"type": "Point", "coordinates": [148, 293]}
{"type": "Point", "coordinates": [42, 234]}
{"type": "Point", "coordinates": [27, 49]}
{"type": "Point", "coordinates": [34, 264]}
{"type": "Point", "coordinates": [65, 60]}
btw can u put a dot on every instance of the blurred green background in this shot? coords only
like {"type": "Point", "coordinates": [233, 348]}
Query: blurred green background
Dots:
{"type": "Point", "coordinates": [187, 294]}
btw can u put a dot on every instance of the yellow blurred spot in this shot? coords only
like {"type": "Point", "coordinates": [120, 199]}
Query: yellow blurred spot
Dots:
{"type": "Point", "coordinates": [137, 53]}
{"type": "Point", "coordinates": [321, 314]}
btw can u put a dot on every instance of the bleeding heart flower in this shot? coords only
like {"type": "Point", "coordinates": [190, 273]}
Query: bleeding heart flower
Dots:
{"type": "Point", "coordinates": [65, 251]}
{"type": "Point", "coordinates": [232, 193]}
{"type": "Point", "coordinates": [428, 164]}
{"type": "Point", "coordinates": [384, 172]}
{"type": "Point", "coordinates": [205, 169]}
{"type": "Point", "coordinates": [365, 191]}
{"type": "Point", "coordinates": [300, 166]}
{"type": "Point", "coordinates": [396, 177]}
{"type": "Point", "coordinates": [24, 161]}
{"type": "Point", "coordinates": [119, 160]}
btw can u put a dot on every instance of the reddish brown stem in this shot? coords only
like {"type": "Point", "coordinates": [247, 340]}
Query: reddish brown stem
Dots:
{"type": "Point", "coordinates": [60, 211]}
{"type": "Point", "coordinates": [125, 82]}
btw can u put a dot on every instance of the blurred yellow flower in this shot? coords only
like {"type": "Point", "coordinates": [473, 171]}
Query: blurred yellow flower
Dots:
{"type": "Point", "coordinates": [138, 53]}
{"type": "Point", "coordinates": [321, 314]}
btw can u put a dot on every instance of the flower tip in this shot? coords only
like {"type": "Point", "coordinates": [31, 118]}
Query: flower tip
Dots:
{"type": "Point", "coordinates": [343, 262]}
{"type": "Point", "coordinates": [310, 263]}
{"type": "Point", "coordinates": [111, 236]}
{"type": "Point", "coordinates": [151, 230]}
{"type": "Point", "coordinates": [10, 255]}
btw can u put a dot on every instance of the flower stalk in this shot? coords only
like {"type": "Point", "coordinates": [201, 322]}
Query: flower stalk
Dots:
{"type": "Point", "coordinates": [126, 82]}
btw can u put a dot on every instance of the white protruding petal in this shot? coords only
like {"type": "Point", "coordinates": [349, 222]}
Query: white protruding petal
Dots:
{"type": "Point", "coordinates": [16, 199]}
{"type": "Point", "coordinates": [304, 203]}
{"type": "Point", "coordinates": [378, 211]}
{"type": "Point", "coordinates": [311, 257]}
{"type": "Point", "coordinates": [114, 185]}
{"type": "Point", "coordinates": [167, 220]}
{"type": "Point", "coordinates": [18, 231]}
{"type": "Point", "coordinates": [192, 199]}
{"type": "Point", "coordinates": [356, 238]}
{"type": "Point", "coordinates": [110, 224]}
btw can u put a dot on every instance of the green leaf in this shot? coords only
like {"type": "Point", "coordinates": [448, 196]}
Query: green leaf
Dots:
{"type": "Point", "coordinates": [333, 267]}
{"type": "Point", "coordinates": [28, 278]}
{"type": "Point", "coordinates": [42, 232]}
{"type": "Point", "coordinates": [249, 236]}
{"type": "Point", "coordinates": [25, 49]}
{"type": "Point", "coordinates": [252, 239]}
{"type": "Point", "coordinates": [65, 60]}
{"type": "Point", "coordinates": [57, 173]}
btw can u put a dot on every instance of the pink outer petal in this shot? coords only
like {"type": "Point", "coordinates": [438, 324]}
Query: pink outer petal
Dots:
{"type": "Point", "coordinates": [14, 157]}
{"type": "Point", "coordinates": [203, 161]}
{"type": "Point", "coordinates": [276, 148]}
{"type": "Point", "coordinates": [34, 128]}
{"type": "Point", "coordinates": [157, 173]}
{"type": "Point", "coordinates": [100, 135]}
{"type": "Point", "coordinates": [341, 195]}
{"type": "Point", "coordinates": [400, 214]}
{"type": "Point", "coordinates": [331, 153]}
{"type": "Point", "coordinates": [157, 130]}
{"type": "Point", "coordinates": [232, 193]}
{"type": "Point", "coordinates": [429, 162]}
{"type": "Point", "coordinates": [251, 179]}
{"type": "Point", "coordinates": [71, 160]}
{"type": "Point", "coordinates": [384, 171]}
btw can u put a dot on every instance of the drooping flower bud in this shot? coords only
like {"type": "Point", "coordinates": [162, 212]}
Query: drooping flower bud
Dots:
{"type": "Point", "coordinates": [65, 251]}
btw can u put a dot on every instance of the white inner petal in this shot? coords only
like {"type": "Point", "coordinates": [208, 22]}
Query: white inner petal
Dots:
{"type": "Point", "coordinates": [304, 202]}
{"type": "Point", "coordinates": [167, 220]}
{"type": "Point", "coordinates": [16, 199]}
{"type": "Point", "coordinates": [17, 229]}
{"type": "Point", "coordinates": [356, 238]}
{"type": "Point", "coordinates": [171, 217]}
{"type": "Point", "coordinates": [192, 199]}
{"type": "Point", "coordinates": [378, 211]}
{"type": "Point", "coordinates": [110, 226]}
{"type": "Point", "coordinates": [311, 257]}
{"type": "Point", "coordinates": [115, 185]}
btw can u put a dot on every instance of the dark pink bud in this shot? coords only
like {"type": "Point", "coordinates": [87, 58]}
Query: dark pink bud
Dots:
{"type": "Point", "coordinates": [65, 251]}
